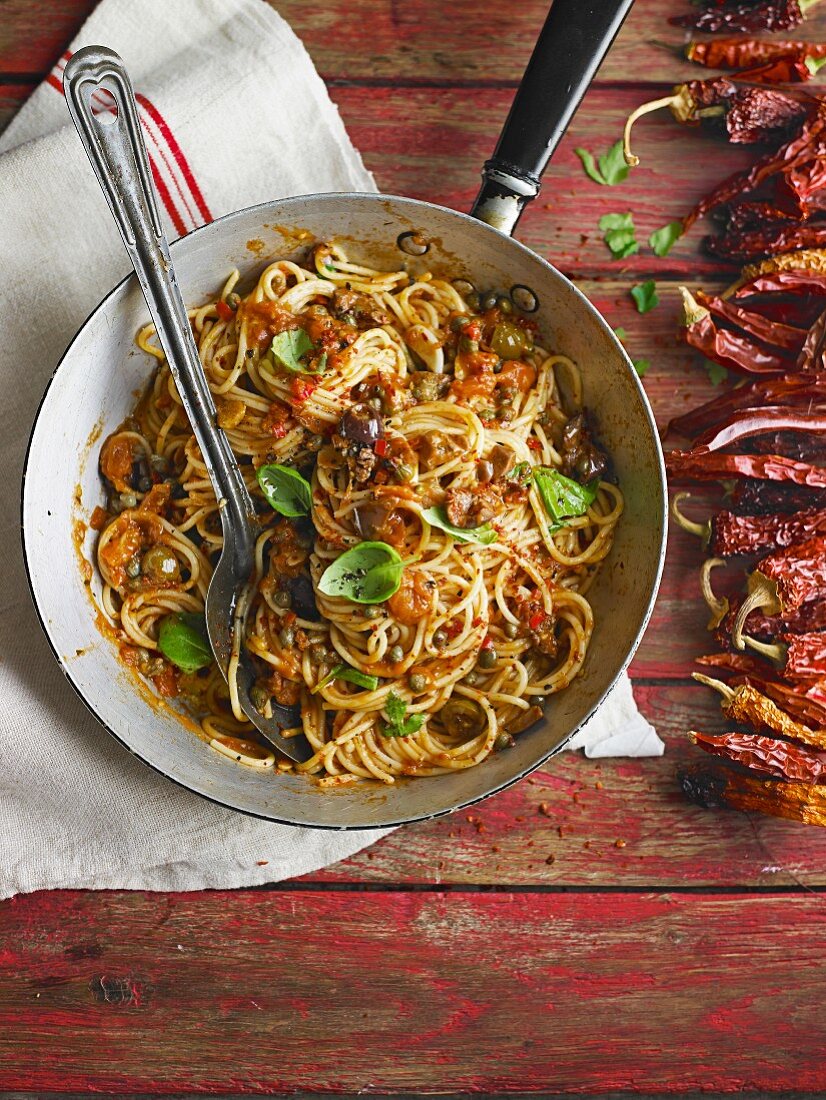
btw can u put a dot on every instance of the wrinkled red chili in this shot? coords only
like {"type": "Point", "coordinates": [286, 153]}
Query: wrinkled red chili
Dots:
{"type": "Point", "coordinates": [743, 53]}
{"type": "Point", "coordinates": [768, 755]}
{"type": "Point", "coordinates": [747, 16]}
{"type": "Point", "coordinates": [713, 466]}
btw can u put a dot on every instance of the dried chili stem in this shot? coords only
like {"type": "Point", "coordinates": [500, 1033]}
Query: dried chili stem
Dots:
{"type": "Point", "coordinates": [680, 103]}
{"type": "Point", "coordinates": [762, 595]}
{"type": "Point", "coordinates": [774, 651]}
{"type": "Point", "coordinates": [717, 685]}
{"type": "Point", "coordinates": [719, 607]}
{"type": "Point", "coordinates": [702, 530]}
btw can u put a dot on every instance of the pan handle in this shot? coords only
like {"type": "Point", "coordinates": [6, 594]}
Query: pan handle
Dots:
{"type": "Point", "coordinates": [576, 37]}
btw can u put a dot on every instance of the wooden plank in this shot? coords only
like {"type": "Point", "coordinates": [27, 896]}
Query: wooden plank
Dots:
{"type": "Point", "coordinates": [384, 41]}
{"type": "Point", "coordinates": [591, 823]}
{"type": "Point", "coordinates": [274, 992]}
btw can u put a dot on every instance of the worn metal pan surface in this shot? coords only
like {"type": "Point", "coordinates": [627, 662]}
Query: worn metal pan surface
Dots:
{"type": "Point", "coordinates": [93, 389]}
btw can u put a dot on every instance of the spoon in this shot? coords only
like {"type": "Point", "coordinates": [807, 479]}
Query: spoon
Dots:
{"type": "Point", "coordinates": [102, 105]}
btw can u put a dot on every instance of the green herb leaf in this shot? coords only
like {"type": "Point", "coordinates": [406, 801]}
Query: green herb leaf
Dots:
{"type": "Point", "coordinates": [612, 167]}
{"type": "Point", "coordinates": [716, 373]}
{"type": "Point", "coordinates": [645, 296]}
{"type": "Point", "coordinates": [398, 725]}
{"type": "Point", "coordinates": [619, 234]}
{"type": "Point", "coordinates": [290, 350]}
{"type": "Point", "coordinates": [562, 497]}
{"type": "Point", "coordinates": [522, 473]}
{"type": "Point", "coordinates": [182, 639]}
{"type": "Point", "coordinates": [620, 333]}
{"type": "Point", "coordinates": [351, 675]}
{"type": "Point", "coordinates": [663, 240]}
{"type": "Point", "coordinates": [369, 573]}
{"type": "Point", "coordinates": [589, 164]}
{"type": "Point", "coordinates": [641, 366]}
{"type": "Point", "coordinates": [482, 536]}
{"type": "Point", "coordinates": [814, 64]}
{"type": "Point", "coordinates": [287, 492]}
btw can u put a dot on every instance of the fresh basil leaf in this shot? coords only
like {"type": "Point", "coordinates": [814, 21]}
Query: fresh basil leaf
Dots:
{"type": "Point", "coordinates": [645, 296]}
{"type": "Point", "coordinates": [641, 366]}
{"type": "Point", "coordinates": [290, 350]}
{"type": "Point", "coordinates": [562, 497]}
{"type": "Point", "coordinates": [287, 492]}
{"type": "Point", "coordinates": [589, 164]}
{"type": "Point", "coordinates": [399, 726]}
{"type": "Point", "coordinates": [351, 675]}
{"type": "Point", "coordinates": [611, 168]}
{"type": "Point", "coordinates": [182, 640]}
{"type": "Point", "coordinates": [717, 374]}
{"type": "Point", "coordinates": [368, 573]}
{"type": "Point", "coordinates": [482, 536]}
{"type": "Point", "coordinates": [663, 240]}
{"type": "Point", "coordinates": [814, 64]}
{"type": "Point", "coordinates": [618, 230]}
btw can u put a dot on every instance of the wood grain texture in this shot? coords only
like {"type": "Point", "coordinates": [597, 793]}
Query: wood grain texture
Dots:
{"type": "Point", "coordinates": [275, 991]}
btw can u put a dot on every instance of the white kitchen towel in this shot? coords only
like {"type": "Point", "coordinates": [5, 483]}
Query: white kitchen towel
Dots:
{"type": "Point", "coordinates": [234, 114]}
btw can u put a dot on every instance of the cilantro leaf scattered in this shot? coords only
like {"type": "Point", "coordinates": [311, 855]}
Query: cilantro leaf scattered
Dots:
{"type": "Point", "coordinates": [619, 234]}
{"type": "Point", "coordinates": [716, 373]}
{"type": "Point", "coordinates": [645, 296]}
{"type": "Point", "coordinates": [291, 349]}
{"type": "Point", "coordinates": [610, 168]}
{"type": "Point", "coordinates": [398, 725]}
{"type": "Point", "coordinates": [641, 366]}
{"type": "Point", "coordinates": [620, 333]}
{"type": "Point", "coordinates": [663, 240]}
{"type": "Point", "coordinates": [814, 64]}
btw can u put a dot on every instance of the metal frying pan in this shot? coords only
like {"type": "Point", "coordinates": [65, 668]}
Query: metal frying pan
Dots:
{"type": "Point", "coordinates": [381, 231]}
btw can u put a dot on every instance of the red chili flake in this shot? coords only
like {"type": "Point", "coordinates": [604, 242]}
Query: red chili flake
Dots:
{"type": "Point", "coordinates": [545, 809]}
{"type": "Point", "coordinates": [536, 620]}
{"type": "Point", "coordinates": [279, 430]}
{"type": "Point", "coordinates": [488, 642]}
{"type": "Point", "coordinates": [98, 519]}
{"type": "Point", "coordinates": [381, 447]}
{"type": "Point", "coordinates": [262, 862]}
{"type": "Point", "coordinates": [534, 444]}
{"type": "Point", "coordinates": [619, 843]}
{"type": "Point", "coordinates": [289, 618]}
{"type": "Point", "coordinates": [224, 312]}
{"type": "Point", "coordinates": [473, 331]}
{"type": "Point", "coordinates": [551, 859]}
{"type": "Point", "coordinates": [302, 388]}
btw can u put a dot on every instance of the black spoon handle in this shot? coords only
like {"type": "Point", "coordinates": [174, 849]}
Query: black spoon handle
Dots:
{"type": "Point", "coordinates": [576, 36]}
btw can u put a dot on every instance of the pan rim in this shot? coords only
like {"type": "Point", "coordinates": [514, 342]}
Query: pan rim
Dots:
{"type": "Point", "coordinates": [476, 226]}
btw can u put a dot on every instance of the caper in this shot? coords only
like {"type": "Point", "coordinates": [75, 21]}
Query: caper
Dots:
{"type": "Point", "coordinates": [539, 700]}
{"type": "Point", "coordinates": [417, 681]}
{"type": "Point", "coordinates": [489, 300]}
{"type": "Point", "coordinates": [318, 652]}
{"type": "Point", "coordinates": [468, 346]}
{"type": "Point", "coordinates": [158, 463]}
{"type": "Point", "coordinates": [472, 300]}
{"type": "Point", "coordinates": [462, 717]}
{"type": "Point", "coordinates": [458, 323]}
{"type": "Point", "coordinates": [160, 564]}
{"type": "Point", "coordinates": [128, 500]}
{"type": "Point", "coordinates": [133, 568]}
{"type": "Point", "coordinates": [315, 442]}
{"type": "Point", "coordinates": [396, 654]}
{"type": "Point", "coordinates": [233, 300]}
{"type": "Point", "coordinates": [497, 367]}
{"type": "Point", "coordinates": [372, 611]}
{"type": "Point", "coordinates": [487, 658]}
{"type": "Point", "coordinates": [440, 639]}
{"type": "Point", "coordinates": [282, 598]}
{"type": "Point", "coordinates": [287, 636]}
{"type": "Point", "coordinates": [472, 678]}
{"type": "Point", "coordinates": [143, 659]}
{"type": "Point", "coordinates": [503, 741]}
{"type": "Point", "coordinates": [511, 630]}
{"type": "Point", "coordinates": [504, 303]}
{"type": "Point", "coordinates": [259, 697]}
{"type": "Point", "coordinates": [144, 484]}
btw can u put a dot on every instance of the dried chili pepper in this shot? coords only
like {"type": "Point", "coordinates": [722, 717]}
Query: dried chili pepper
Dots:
{"type": "Point", "coordinates": [742, 53]}
{"type": "Point", "coordinates": [812, 355]}
{"type": "Point", "coordinates": [798, 656]}
{"type": "Point", "coordinates": [750, 422]}
{"type": "Point", "coordinates": [713, 466]}
{"type": "Point", "coordinates": [803, 802]}
{"type": "Point", "coordinates": [752, 497]}
{"type": "Point", "coordinates": [800, 445]}
{"type": "Point", "coordinates": [784, 282]}
{"type": "Point", "coordinates": [729, 534]}
{"type": "Point", "coordinates": [745, 16]}
{"type": "Point", "coordinates": [744, 704]}
{"type": "Point", "coordinates": [733, 662]}
{"type": "Point", "coordinates": [731, 350]}
{"type": "Point", "coordinates": [749, 114]}
{"type": "Point", "coordinates": [809, 617]}
{"type": "Point", "coordinates": [793, 701]}
{"type": "Point", "coordinates": [762, 754]}
{"type": "Point", "coordinates": [783, 581]}
{"type": "Point", "coordinates": [775, 333]}
{"type": "Point", "coordinates": [742, 247]}
{"type": "Point", "coordinates": [786, 390]}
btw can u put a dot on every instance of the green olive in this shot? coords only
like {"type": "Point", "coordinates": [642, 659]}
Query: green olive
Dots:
{"type": "Point", "coordinates": [287, 637]}
{"type": "Point", "coordinates": [508, 340]}
{"type": "Point", "coordinates": [487, 658]}
{"type": "Point", "coordinates": [282, 599]}
{"type": "Point", "coordinates": [160, 564]}
{"type": "Point", "coordinates": [463, 717]}
{"type": "Point", "coordinates": [418, 682]}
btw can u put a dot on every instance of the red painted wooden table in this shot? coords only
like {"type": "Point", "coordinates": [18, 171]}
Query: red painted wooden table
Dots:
{"type": "Point", "coordinates": [585, 931]}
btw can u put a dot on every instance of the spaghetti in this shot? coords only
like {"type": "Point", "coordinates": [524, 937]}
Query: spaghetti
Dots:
{"type": "Point", "coordinates": [422, 421]}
